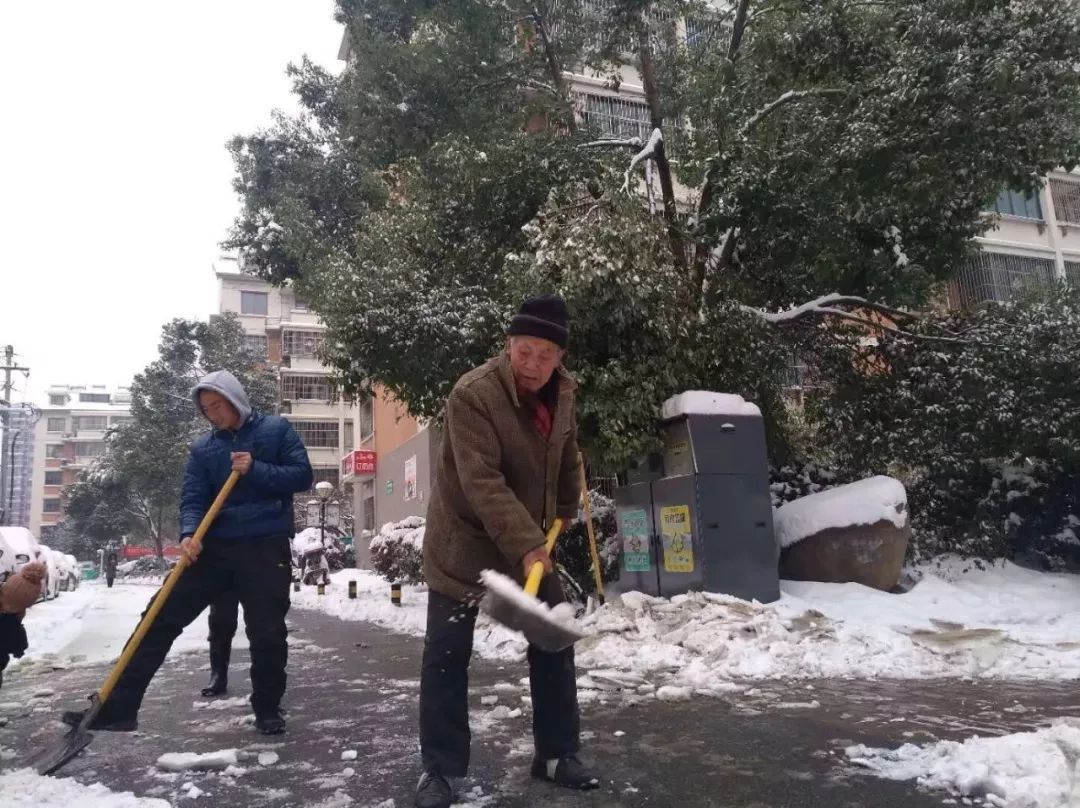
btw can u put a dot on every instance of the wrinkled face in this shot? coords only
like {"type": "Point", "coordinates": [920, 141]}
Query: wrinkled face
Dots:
{"type": "Point", "coordinates": [218, 410]}
{"type": "Point", "coordinates": [533, 361]}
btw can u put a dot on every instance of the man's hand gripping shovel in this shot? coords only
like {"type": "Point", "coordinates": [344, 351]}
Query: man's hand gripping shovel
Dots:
{"type": "Point", "coordinates": [520, 610]}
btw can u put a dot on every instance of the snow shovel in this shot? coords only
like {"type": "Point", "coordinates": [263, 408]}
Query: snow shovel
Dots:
{"type": "Point", "coordinates": [519, 609]}
{"type": "Point", "coordinates": [51, 760]}
{"type": "Point", "coordinates": [597, 575]}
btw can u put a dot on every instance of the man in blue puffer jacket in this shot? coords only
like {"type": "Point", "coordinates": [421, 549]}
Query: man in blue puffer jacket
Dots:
{"type": "Point", "coordinates": [245, 551]}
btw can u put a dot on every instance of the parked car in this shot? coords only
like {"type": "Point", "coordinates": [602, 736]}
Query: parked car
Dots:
{"type": "Point", "coordinates": [18, 547]}
{"type": "Point", "coordinates": [88, 571]}
{"type": "Point", "coordinates": [53, 573]}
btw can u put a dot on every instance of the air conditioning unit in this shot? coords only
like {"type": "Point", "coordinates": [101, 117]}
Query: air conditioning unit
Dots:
{"type": "Point", "coordinates": [286, 405]}
{"type": "Point", "coordinates": [286, 361]}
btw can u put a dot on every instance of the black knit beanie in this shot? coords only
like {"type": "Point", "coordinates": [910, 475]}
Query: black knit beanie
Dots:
{"type": "Point", "coordinates": [544, 317]}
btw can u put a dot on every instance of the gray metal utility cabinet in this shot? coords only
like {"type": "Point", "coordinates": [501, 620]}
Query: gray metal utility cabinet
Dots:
{"type": "Point", "coordinates": [706, 523]}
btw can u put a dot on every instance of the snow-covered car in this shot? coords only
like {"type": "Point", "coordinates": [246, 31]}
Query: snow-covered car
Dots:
{"type": "Point", "coordinates": [69, 572]}
{"type": "Point", "coordinates": [18, 547]}
{"type": "Point", "coordinates": [53, 573]}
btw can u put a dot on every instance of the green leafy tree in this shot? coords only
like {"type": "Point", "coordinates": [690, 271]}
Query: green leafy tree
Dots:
{"type": "Point", "coordinates": [837, 156]}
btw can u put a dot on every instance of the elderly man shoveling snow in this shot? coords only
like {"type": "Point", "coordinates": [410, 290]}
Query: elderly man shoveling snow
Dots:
{"type": "Point", "coordinates": [507, 471]}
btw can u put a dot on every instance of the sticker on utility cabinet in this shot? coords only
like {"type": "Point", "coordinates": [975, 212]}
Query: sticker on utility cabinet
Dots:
{"type": "Point", "coordinates": [677, 538]}
{"type": "Point", "coordinates": [634, 529]}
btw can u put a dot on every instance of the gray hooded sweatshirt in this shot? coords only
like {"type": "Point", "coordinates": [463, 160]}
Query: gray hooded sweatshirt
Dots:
{"type": "Point", "coordinates": [225, 384]}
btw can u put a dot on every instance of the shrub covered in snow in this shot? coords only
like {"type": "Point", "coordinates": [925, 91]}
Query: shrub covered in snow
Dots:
{"type": "Point", "coordinates": [984, 431]}
{"type": "Point", "coordinates": [397, 551]}
{"type": "Point", "coordinates": [572, 547]}
{"type": "Point", "coordinates": [796, 480]}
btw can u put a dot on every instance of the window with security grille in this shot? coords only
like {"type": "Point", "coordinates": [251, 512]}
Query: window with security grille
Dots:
{"type": "Point", "coordinates": [257, 344]}
{"type": "Point", "coordinates": [301, 343]}
{"type": "Point", "coordinates": [318, 434]}
{"type": "Point", "coordinates": [616, 117]}
{"type": "Point", "coordinates": [1066, 196]}
{"type": "Point", "coordinates": [1072, 273]}
{"type": "Point", "coordinates": [54, 451]}
{"type": "Point", "coordinates": [56, 424]}
{"type": "Point", "coordinates": [91, 423]}
{"type": "Point", "coordinates": [367, 418]}
{"type": "Point", "coordinates": [704, 31]}
{"type": "Point", "coordinates": [305, 387]}
{"type": "Point", "coordinates": [1017, 203]}
{"type": "Point", "coordinates": [999, 277]}
{"type": "Point", "coordinates": [54, 478]}
{"type": "Point", "coordinates": [57, 400]}
{"type": "Point", "coordinates": [95, 398]}
{"type": "Point", "coordinates": [89, 449]}
{"type": "Point", "coordinates": [50, 506]}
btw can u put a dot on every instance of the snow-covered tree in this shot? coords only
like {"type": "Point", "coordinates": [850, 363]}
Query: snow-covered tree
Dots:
{"type": "Point", "coordinates": [837, 151]}
{"type": "Point", "coordinates": [985, 431]}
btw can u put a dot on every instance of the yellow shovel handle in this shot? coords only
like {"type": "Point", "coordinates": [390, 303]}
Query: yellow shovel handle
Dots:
{"type": "Point", "coordinates": [532, 583]}
{"type": "Point", "coordinates": [598, 577]}
{"type": "Point", "coordinates": [163, 593]}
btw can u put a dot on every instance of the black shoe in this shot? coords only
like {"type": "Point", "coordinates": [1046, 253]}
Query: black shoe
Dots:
{"type": "Point", "coordinates": [102, 721]}
{"type": "Point", "coordinates": [434, 791]}
{"type": "Point", "coordinates": [272, 723]}
{"type": "Point", "coordinates": [569, 772]}
{"type": "Point", "coordinates": [219, 685]}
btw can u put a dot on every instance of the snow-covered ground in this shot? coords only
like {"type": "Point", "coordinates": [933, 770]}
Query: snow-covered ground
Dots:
{"type": "Point", "coordinates": [959, 621]}
{"type": "Point", "coordinates": [1025, 770]}
{"type": "Point", "coordinates": [25, 788]}
{"type": "Point", "coordinates": [92, 624]}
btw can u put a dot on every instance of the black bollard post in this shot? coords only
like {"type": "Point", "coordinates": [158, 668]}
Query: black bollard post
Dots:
{"type": "Point", "coordinates": [352, 590]}
{"type": "Point", "coordinates": [395, 594]}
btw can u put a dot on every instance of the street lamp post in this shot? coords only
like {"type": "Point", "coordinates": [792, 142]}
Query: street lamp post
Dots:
{"type": "Point", "coordinates": [323, 490]}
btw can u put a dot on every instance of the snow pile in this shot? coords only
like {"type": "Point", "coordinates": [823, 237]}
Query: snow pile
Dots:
{"type": "Point", "coordinates": [1001, 621]}
{"type": "Point", "coordinates": [25, 788]}
{"type": "Point", "coordinates": [1026, 770]}
{"type": "Point", "coordinates": [703, 402]}
{"type": "Point", "coordinates": [863, 503]}
{"type": "Point", "coordinates": [183, 761]}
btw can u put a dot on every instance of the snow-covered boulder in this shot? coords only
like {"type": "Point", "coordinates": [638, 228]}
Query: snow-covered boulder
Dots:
{"type": "Point", "coordinates": [853, 533]}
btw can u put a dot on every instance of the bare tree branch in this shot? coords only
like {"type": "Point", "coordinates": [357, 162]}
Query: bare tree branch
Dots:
{"type": "Point", "coordinates": [649, 152]}
{"type": "Point", "coordinates": [787, 98]}
{"type": "Point", "coordinates": [631, 143]}
{"type": "Point", "coordinates": [827, 306]}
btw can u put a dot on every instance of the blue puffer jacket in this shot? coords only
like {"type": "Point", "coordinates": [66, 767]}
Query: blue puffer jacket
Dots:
{"type": "Point", "coordinates": [261, 504]}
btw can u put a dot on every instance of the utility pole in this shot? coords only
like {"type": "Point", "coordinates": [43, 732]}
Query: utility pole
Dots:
{"type": "Point", "coordinates": [7, 457]}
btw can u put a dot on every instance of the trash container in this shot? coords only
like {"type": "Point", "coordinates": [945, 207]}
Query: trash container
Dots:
{"type": "Point", "coordinates": [705, 522]}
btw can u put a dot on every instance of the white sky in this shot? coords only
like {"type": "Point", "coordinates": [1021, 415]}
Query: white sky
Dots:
{"type": "Point", "coordinates": [114, 178]}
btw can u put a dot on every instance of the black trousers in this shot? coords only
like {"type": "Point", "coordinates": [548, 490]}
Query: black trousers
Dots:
{"type": "Point", "coordinates": [444, 689]}
{"type": "Point", "coordinates": [258, 572]}
{"type": "Point", "coordinates": [222, 620]}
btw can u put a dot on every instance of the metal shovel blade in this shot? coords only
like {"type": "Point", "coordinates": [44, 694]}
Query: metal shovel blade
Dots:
{"type": "Point", "coordinates": [53, 759]}
{"type": "Point", "coordinates": [508, 604]}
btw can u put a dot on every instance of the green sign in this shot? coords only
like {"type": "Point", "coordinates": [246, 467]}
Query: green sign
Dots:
{"type": "Point", "coordinates": [634, 529]}
{"type": "Point", "coordinates": [389, 486]}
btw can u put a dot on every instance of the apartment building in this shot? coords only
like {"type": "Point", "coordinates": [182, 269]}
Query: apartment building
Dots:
{"type": "Point", "coordinates": [69, 434]}
{"type": "Point", "coordinates": [16, 481]}
{"type": "Point", "coordinates": [1034, 243]}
